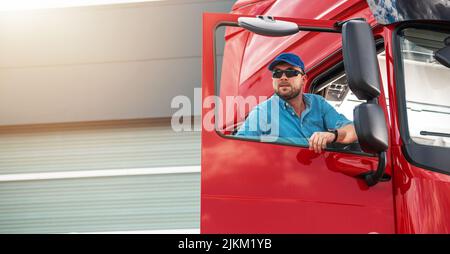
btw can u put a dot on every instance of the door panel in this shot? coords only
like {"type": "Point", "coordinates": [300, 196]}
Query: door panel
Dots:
{"type": "Point", "coordinates": [288, 189]}
{"type": "Point", "coordinates": [254, 187]}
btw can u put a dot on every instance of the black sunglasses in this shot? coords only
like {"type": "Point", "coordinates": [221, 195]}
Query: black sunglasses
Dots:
{"type": "Point", "coordinates": [289, 73]}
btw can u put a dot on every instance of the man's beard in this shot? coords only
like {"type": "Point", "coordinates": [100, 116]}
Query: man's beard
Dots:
{"type": "Point", "coordinates": [288, 96]}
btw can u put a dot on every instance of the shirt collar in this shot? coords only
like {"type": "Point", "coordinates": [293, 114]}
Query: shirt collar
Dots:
{"type": "Point", "coordinates": [284, 103]}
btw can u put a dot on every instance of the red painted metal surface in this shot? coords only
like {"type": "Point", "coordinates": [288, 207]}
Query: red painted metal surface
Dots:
{"type": "Point", "coordinates": [249, 187]}
{"type": "Point", "coordinates": [421, 198]}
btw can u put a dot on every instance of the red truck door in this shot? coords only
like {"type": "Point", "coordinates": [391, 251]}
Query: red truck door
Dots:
{"type": "Point", "coordinates": [254, 187]}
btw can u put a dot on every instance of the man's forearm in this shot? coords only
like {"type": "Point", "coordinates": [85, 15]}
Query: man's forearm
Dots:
{"type": "Point", "coordinates": [347, 134]}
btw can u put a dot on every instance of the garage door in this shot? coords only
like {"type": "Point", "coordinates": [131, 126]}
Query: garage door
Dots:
{"type": "Point", "coordinates": [107, 176]}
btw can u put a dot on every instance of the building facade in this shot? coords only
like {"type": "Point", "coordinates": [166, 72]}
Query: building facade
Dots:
{"type": "Point", "coordinates": [86, 144]}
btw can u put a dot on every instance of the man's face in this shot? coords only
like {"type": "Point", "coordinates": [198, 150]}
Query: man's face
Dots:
{"type": "Point", "coordinates": [288, 88]}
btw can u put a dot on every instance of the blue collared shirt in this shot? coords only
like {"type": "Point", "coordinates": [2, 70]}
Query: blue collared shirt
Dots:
{"type": "Point", "coordinates": [262, 122]}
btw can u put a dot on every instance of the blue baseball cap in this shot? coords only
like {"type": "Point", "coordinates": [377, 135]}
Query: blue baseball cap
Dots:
{"type": "Point", "coordinates": [289, 58]}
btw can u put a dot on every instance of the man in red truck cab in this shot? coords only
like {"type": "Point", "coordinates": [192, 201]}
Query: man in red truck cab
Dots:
{"type": "Point", "coordinates": [382, 65]}
{"type": "Point", "coordinates": [291, 116]}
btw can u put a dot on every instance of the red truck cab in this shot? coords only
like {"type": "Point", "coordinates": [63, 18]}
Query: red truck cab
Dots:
{"type": "Point", "coordinates": [384, 67]}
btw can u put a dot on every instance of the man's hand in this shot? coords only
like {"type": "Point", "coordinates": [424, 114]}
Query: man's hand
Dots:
{"type": "Point", "coordinates": [319, 141]}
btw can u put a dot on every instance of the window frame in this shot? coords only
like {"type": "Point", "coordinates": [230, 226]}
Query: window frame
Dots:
{"type": "Point", "coordinates": [233, 137]}
{"type": "Point", "coordinates": [417, 154]}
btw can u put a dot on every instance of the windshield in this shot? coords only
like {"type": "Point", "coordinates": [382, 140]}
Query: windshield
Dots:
{"type": "Point", "coordinates": [427, 86]}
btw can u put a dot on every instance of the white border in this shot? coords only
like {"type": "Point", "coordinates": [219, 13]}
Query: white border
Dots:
{"type": "Point", "coordinates": [98, 173]}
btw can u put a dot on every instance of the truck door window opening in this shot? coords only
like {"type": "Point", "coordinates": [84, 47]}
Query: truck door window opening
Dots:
{"type": "Point", "coordinates": [423, 94]}
{"type": "Point", "coordinates": [250, 78]}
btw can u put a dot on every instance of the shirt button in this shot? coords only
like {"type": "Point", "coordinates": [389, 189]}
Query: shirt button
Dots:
{"type": "Point", "coordinates": [293, 113]}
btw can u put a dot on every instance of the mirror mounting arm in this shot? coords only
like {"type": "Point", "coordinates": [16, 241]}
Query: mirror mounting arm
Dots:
{"type": "Point", "coordinates": [373, 177]}
{"type": "Point", "coordinates": [373, 100]}
{"type": "Point", "coordinates": [341, 23]}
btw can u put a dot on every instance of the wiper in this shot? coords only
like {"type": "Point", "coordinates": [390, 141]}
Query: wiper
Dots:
{"type": "Point", "coordinates": [439, 134]}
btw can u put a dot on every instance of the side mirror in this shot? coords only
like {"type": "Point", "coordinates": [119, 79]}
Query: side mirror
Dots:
{"type": "Point", "coordinates": [443, 55]}
{"type": "Point", "coordinates": [363, 75]}
{"type": "Point", "coordinates": [372, 135]}
{"type": "Point", "coordinates": [360, 59]}
{"type": "Point", "coordinates": [371, 128]}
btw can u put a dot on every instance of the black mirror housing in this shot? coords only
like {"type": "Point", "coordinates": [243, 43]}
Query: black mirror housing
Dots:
{"type": "Point", "coordinates": [360, 59]}
{"type": "Point", "coordinates": [370, 126]}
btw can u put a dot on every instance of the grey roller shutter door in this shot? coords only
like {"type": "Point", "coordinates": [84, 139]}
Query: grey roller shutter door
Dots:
{"type": "Point", "coordinates": [96, 145]}
{"type": "Point", "coordinates": [102, 203]}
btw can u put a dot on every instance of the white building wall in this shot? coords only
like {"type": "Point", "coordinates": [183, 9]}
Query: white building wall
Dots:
{"type": "Point", "coordinates": [121, 61]}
